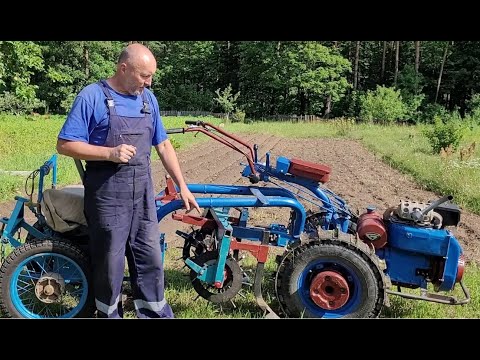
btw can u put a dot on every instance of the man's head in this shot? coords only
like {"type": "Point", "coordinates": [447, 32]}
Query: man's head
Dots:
{"type": "Point", "coordinates": [135, 68]}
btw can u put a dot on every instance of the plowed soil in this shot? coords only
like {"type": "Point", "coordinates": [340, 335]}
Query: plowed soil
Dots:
{"type": "Point", "coordinates": [357, 176]}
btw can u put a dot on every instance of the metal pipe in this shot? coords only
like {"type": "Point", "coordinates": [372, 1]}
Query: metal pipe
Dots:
{"type": "Point", "coordinates": [300, 213]}
{"type": "Point", "coordinates": [437, 203]}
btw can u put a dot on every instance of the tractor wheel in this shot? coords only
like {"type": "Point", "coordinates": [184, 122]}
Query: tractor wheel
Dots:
{"type": "Point", "coordinates": [46, 279]}
{"type": "Point", "coordinates": [328, 280]}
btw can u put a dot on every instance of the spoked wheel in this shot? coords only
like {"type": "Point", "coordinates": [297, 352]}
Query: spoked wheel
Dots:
{"type": "Point", "coordinates": [46, 279]}
{"type": "Point", "coordinates": [328, 280]}
{"type": "Point", "coordinates": [232, 278]}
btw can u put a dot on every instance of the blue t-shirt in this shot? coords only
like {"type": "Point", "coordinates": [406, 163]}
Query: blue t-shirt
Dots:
{"type": "Point", "coordinates": [88, 119]}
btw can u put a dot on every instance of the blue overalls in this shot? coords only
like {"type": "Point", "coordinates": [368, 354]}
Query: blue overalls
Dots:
{"type": "Point", "coordinates": [122, 221]}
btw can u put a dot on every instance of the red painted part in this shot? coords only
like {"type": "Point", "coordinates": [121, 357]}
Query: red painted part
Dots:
{"type": "Point", "coordinates": [260, 252]}
{"type": "Point", "coordinates": [170, 192]}
{"type": "Point", "coordinates": [219, 284]}
{"type": "Point", "coordinates": [195, 220]}
{"type": "Point", "coordinates": [460, 268]}
{"type": "Point", "coordinates": [371, 229]}
{"type": "Point", "coordinates": [227, 143]}
{"type": "Point", "coordinates": [310, 170]}
{"type": "Point", "coordinates": [329, 290]}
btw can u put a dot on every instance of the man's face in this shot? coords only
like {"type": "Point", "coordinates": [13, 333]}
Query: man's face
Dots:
{"type": "Point", "coordinates": [138, 76]}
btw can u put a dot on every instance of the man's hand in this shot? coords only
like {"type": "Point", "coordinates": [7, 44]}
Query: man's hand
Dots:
{"type": "Point", "coordinates": [122, 153]}
{"type": "Point", "coordinates": [189, 199]}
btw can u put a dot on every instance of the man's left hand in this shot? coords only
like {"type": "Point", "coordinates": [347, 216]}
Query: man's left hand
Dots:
{"type": "Point", "coordinates": [189, 200]}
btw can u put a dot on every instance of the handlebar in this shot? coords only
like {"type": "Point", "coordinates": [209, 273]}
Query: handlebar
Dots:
{"type": "Point", "coordinates": [44, 170]}
{"type": "Point", "coordinates": [176, 131]}
{"type": "Point", "coordinates": [195, 122]}
{"type": "Point", "coordinates": [206, 128]}
{"type": "Point", "coordinates": [48, 165]}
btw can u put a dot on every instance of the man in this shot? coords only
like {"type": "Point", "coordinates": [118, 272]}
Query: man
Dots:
{"type": "Point", "coordinates": [112, 125]}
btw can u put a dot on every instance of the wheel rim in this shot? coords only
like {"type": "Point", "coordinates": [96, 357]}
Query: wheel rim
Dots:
{"type": "Point", "coordinates": [322, 280]}
{"type": "Point", "coordinates": [33, 280]}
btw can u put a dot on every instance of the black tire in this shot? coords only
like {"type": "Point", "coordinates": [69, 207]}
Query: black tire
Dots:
{"type": "Point", "coordinates": [78, 236]}
{"type": "Point", "coordinates": [299, 267]}
{"type": "Point", "coordinates": [68, 254]}
{"type": "Point", "coordinates": [231, 286]}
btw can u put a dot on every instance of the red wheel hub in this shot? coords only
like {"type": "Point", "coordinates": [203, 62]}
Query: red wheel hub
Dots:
{"type": "Point", "coordinates": [329, 290]}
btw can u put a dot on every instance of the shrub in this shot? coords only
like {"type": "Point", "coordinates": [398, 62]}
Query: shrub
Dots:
{"type": "Point", "coordinates": [444, 135]}
{"type": "Point", "coordinates": [383, 105]}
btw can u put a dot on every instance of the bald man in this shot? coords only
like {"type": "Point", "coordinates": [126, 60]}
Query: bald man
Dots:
{"type": "Point", "coordinates": [112, 125]}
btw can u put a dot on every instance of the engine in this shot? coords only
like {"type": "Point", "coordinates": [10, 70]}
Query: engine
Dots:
{"type": "Point", "coordinates": [414, 241]}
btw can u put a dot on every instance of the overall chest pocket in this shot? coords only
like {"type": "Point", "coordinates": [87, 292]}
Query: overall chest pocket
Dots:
{"type": "Point", "coordinates": [130, 138]}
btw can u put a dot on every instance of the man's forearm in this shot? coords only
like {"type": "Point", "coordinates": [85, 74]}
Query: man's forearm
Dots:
{"type": "Point", "coordinates": [169, 159]}
{"type": "Point", "coordinates": [83, 151]}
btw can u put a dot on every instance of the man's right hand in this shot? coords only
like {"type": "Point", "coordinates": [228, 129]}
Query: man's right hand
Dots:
{"type": "Point", "coordinates": [122, 153]}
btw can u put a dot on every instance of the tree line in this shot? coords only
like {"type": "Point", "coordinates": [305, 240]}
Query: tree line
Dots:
{"type": "Point", "coordinates": [262, 78]}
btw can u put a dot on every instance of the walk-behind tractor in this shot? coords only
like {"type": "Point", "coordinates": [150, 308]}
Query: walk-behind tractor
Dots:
{"type": "Point", "coordinates": [331, 263]}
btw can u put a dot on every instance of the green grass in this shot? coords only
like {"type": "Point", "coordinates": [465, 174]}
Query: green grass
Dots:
{"type": "Point", "coordinates": [27, 142]}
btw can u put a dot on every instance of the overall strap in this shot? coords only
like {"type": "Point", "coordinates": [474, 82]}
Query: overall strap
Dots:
{"type": "Point", "coordinates": [146, 105]}
{"type": "Point", "coordinates": [110, 102]}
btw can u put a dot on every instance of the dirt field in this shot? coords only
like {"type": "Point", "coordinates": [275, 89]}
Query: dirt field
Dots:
{"type": "Point", "coordinates": [357, 176]}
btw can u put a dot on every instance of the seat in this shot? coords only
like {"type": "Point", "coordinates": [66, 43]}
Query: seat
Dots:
{"type": "Point", "coordinates": [63, 208]}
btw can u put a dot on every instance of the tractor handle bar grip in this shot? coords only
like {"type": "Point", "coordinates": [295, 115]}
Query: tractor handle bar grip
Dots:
{"type": "Point", "coordinates": [194, 122]}
{"type": "Point", "coordinates": [47, 166]}
{"type": "Point", "coordinates": [175, 131]}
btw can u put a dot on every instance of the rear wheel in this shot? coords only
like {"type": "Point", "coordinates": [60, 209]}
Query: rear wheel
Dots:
{"type": "Point", "coordinates": [46, 279]}
{"type": "Point", "coordinates": [328, 280]}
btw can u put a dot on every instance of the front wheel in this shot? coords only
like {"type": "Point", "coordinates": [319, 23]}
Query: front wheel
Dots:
{"type": "Point", "coordinates": [328, 280]}
{"type": "Point", "coordinates": [46, 279]}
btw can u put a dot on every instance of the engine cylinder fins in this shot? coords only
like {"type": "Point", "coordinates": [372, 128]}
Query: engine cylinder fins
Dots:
{"type": "Point", "coordinates": [329, 290]}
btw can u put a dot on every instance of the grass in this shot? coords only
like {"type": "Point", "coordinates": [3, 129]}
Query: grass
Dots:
{"type": "Point", "coordinates": [25, 143]}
